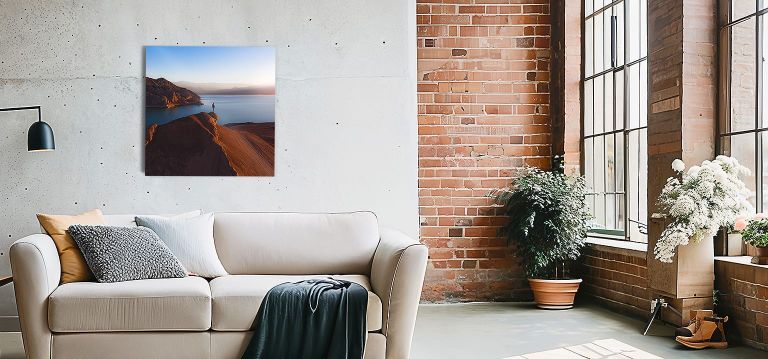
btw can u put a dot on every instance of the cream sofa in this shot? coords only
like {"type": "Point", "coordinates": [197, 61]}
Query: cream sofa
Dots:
{"type": "Point", "coordinates": [193, 318]}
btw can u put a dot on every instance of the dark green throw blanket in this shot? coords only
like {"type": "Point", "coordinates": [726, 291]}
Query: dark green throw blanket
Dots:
{"type": "Point", "coordinates": [311, 319]}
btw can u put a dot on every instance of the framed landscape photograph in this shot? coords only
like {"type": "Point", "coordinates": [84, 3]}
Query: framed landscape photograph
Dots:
{"type": "Point", "coordinates": [210, 111]}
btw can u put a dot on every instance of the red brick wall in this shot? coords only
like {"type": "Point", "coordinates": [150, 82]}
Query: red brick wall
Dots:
{"type": "Point", "coordinates": [616, 278]}
{"type": "Point", "coordinates": [744, 298]}
{"type": "Point", "coordinates": [483, 113]}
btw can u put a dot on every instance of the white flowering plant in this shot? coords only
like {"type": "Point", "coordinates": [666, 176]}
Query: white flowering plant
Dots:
{"type": "Point", "coordinates": [699, 202]}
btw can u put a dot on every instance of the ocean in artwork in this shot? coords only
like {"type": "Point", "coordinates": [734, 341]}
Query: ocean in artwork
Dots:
{"type": "Point", "coordinates": [230, 108]}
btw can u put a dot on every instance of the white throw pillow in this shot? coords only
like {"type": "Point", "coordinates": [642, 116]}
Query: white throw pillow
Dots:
{"type": "Point", "coordinates": [190, 239]}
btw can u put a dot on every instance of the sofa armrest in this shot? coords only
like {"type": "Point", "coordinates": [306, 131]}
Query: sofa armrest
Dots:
{"type": "Point", "coordinates": [36, 273]}
{"type": "Point", "coordinates": [397, 275]}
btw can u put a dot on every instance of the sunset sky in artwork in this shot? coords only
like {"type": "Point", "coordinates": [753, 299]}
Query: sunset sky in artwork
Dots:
{"type": "Point", "coordinates": [238, 66]}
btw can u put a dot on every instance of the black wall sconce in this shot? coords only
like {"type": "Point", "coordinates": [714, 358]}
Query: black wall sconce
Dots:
{"type": "Point", "coordinates": [40, 135]}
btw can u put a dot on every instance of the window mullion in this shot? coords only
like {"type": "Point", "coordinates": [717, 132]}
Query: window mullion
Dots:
{"type": "Point", "coordinates": [625, 120]}
{"type": "Point", "coordinates": [758, 113]}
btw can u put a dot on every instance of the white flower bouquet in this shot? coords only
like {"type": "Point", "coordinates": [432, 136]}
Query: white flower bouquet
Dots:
{"type": "Point", "coordinates": [700, 202]}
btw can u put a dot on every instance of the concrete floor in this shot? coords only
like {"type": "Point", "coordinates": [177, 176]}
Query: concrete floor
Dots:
{"type": "Point", "coordinates": [502, 330]}
{"type": "Point", "coordinates": [11, 346]}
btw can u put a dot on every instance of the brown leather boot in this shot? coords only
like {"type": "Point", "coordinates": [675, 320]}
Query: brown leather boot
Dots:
{"type": "Point", "coordinates": [708, 333]}
{"type": "Point", "coordinates": [695, 315]}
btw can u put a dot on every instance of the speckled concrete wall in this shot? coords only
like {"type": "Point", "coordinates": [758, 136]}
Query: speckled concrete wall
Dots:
{"type": "Point", "coordinates": [346, 108]}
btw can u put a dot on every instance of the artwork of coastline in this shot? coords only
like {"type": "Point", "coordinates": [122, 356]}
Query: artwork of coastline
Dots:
{"type": "Point", "coordinates": [210, 111]}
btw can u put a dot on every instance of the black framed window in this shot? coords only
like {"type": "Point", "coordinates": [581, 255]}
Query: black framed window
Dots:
{"type": "Point", "coordinates": [743, 121]}
{"type": "Point", "coordinates": [614, 116]}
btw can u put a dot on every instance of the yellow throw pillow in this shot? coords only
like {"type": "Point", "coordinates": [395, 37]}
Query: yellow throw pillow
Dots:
{"type": "Point", "coordinates": [73, 266]}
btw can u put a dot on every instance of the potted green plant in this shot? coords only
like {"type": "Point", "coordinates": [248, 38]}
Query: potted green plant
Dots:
{"type": "Point", "coordinates": [548, 223]}
{"type": "Point", "coordinates": [755, 233]}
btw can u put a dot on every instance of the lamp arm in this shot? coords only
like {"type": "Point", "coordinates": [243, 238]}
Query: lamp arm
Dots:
{"type": "Point", "coordinates": [39, 115]}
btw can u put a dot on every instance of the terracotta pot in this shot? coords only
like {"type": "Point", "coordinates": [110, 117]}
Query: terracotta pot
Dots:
{"type": "Point", "coordinates": [554, 293]}
{"type": "Point", "coordinates": [761, 255]}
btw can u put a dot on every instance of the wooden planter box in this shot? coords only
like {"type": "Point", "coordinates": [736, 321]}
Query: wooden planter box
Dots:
{"type": "Point", "coordinates": [686, 283]}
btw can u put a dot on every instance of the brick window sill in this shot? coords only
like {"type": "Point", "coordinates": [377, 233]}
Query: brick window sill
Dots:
{"type": "Point", "coordinates": [621, 247]}
{"type": "Point", "coordinates": [745, 260]}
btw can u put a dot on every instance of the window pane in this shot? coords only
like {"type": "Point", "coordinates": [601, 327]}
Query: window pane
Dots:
{"type": "Point", "coordinates": [642, 188]}
{"type": "Point", "coordinates": [633, 30]}
{"type": "Point", "coordinates": [588, 48]}
{"type": "Point", "coordinates": [643, 100]}
{"type": "Point", "coordinates": [588, 108]}
{"type": "Point", "coordinates": [764, 78]}
{"type": "Point", "coordinates": [741, 8]}
{"type": "Point", "coordinates": [600, 3]}
{"type": "Point", "coordinates": [637, 186]}
{"type": "Point", "coordinates": [618, 10]}
{"type": "Point", "coordinates": [610, 165]}
{"type": "Point", "coordinates": [633, 169]}
{"type": "Point", "coordinates": [633, 96]}
{"type": "Point", "coordinates": [742, 80]}
{"type": "Point", "coordinates": [619, 162]}
{"type": "Point", "coordinates": [599, 168]}
{"type": "Point", "coordinates": [610, 211]}
{"type": "Point", "coordinates": [764, 179]}
{"type": "Point", "coordinates": [599, 210]}
{"type": "Point", "coordinates": [620, 212]}
{"type": "Point", "coordinates": [599, 43]}
{"type": "Point", "coordinates": [588, 7]}
{"type": "Point", "coordinates": [589, 154]}
{"type": "Point", "coordinates": [643, 28]}
{"type": "Point", "coordinates": [608, 101]}
{"type": "Point", "coordinates": [742, 147]}
{"type": "Point", "coordinates": [619, 119]}
{"type": "Point", "coordinates": [599, 164]}
{"type": "Point", "coordinates": [598, 100]}
{"type": "Point", "coordinates": [591, 204]}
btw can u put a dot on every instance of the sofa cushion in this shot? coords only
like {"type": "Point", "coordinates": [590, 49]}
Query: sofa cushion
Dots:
{"type": "Point", "coordinates": [119, 254]}
{"type": "Point", "coordinates": [296, 243]}
{"type": "Point", "coordinates": [178, 304]}
{"type": "Point", "coordinates": [190, 239]}
{"type": "Point", "coordinates": [73, 266]}
{"type": "Point", "coordinates": [237, 298]}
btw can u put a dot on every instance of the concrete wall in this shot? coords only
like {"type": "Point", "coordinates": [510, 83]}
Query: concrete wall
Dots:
{"type": "Point", "coordinates": [346, 108]}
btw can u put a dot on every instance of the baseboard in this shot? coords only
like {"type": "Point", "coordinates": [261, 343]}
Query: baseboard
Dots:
{"type": "Point", "coordinates": [9, 324]}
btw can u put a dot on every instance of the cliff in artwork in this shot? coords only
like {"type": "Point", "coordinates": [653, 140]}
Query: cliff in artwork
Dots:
{"type": "Point", "coordinates": [197, 145]}
{"type": "Point", "coordinates": [161, 93]}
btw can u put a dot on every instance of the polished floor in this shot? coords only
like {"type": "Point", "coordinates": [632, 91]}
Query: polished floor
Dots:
{"type": "Point", "coordinates": [519, 330]}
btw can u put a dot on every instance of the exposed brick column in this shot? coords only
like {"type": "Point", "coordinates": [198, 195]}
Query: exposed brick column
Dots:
{"type": "Point", "coordinates": [565, 83]}
{"type": "Point", "coordinates": [681, 124]}
{"type": "Point", "coordinates": [483, 113]}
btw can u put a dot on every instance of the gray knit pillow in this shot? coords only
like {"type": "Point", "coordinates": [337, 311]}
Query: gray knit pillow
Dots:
{"type": "Point", "coordinates": [118, 254]}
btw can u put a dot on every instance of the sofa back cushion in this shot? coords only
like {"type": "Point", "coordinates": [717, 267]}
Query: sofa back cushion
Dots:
{"type": "Point", "coordinates": [129, 220]}
{"type": "Point", "coordinates": [296, 243]}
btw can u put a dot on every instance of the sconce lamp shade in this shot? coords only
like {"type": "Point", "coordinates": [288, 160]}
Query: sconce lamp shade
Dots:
{"type": "Point", "coordinates": [40, 137]}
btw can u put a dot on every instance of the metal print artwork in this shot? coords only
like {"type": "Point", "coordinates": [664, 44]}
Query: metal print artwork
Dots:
{"type": "Point", "coordinates": [210, 111]}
